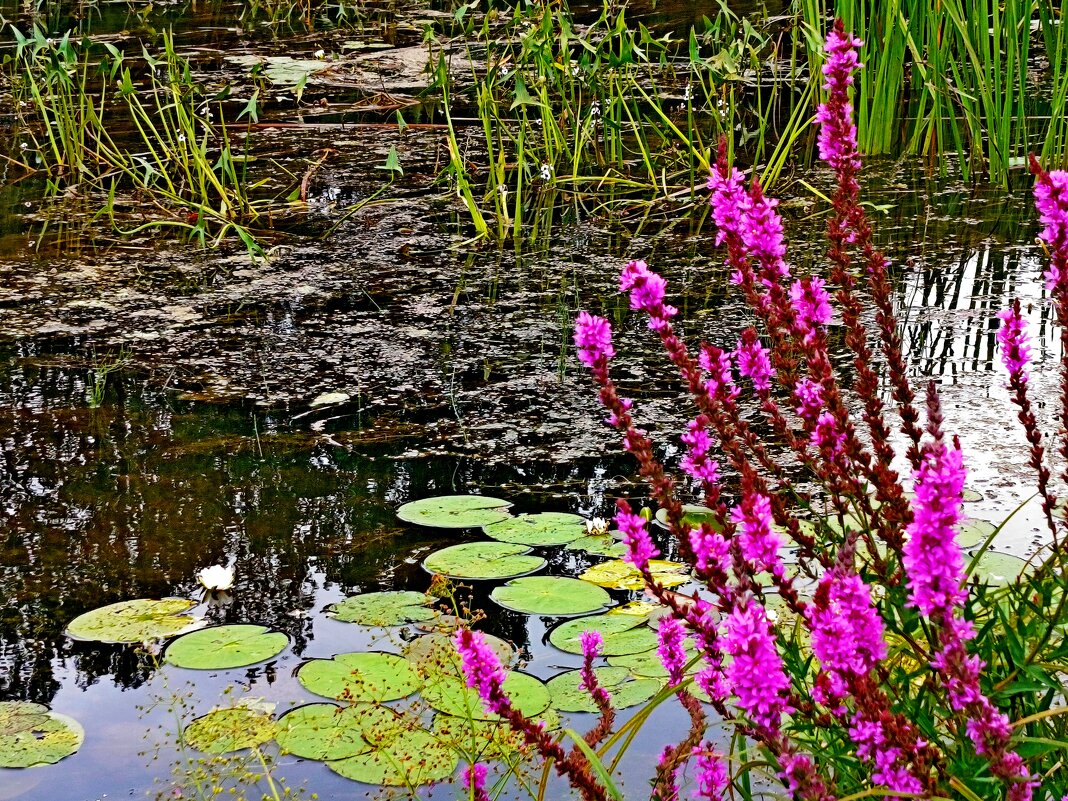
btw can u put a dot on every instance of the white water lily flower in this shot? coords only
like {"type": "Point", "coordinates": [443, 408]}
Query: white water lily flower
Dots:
{"type": "Point", "coordinates": [319, 54]}
{"type": "Point", "coordinates": [216, 578]}
{"type": "Point", "coordinates": [597, 527]}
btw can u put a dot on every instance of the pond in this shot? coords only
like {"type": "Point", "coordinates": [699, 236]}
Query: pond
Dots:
{"type": "Point", "coordinates": [164, 409]}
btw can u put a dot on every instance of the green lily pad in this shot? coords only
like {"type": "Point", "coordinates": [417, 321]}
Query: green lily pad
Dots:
{"type": "Point", "coordinates": [486, 739]}
{"type": "Point", "coordinates": [599, 546]}
{"type": "Point", "coordinates": [135, 621]}
{"type": "Point", "coordinates": [620, 575]}
{"type": "Point", "coordinates": [973, 532]}
{"type": "Point", "coordinates": [411, 758]}
{"type": "Point", "coordinates": [435, 653]}
{"type": "Point", "coordinates": [622, 634]}
{"type": "Point", "coordinates": [550, 595]}
{"type": "Point", "coordinates": [647, 663]}
{"type": "Point", "coordinates": [546, 528]}
{"type": "Point", "coordinates": [455, 511]}
{"type": "Point", "coordinates": [384, 608]}
{"type": "Point", "coordinates": [31, 734]}
{"type": "Point", "coordinates": [282, 70]}
{"type": "Point", "coordinates": [622, 687]}
{"type": "Point", "coordinates": [997, 569]}
{"type": "Point", "coordinates": [693, 516]}
{"type": "Point", "coordinates": [483, 560]}
{"type": "Point", "coordinates": [453, 697]}
{"type": "Point", "coordinates": [356, 677]}
{"type": "Point", "coordinates": [224, 647]}
{"type": "Point", "coordinates": [325, 731]}
{"type": "Point", "coordinates": [224, 730]}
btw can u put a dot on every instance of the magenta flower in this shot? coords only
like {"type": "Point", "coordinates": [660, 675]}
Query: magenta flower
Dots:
{"type": "Point", "coordinates": [710, 549]}
{"type": "Point", "coordinates": [475, 781]}
{"type": "Point", "coordinates": [717, 363]}
{"type": "Point", "coordinates": [753, 360]}
{"type": "Point", "coordinates": [847, 632]}
{"type": "Point", "coordinates": [728, 197]}
{"type": "Point", "coordinates": [482, 670]}
{"type": "Point", "coordinates": [756, 537]}
{"type": "Point", "coordinates": [640, 548]}
{"type": "Point", "coordinates": [593, 337]}
{"type": "Point", "coordinates": [711, 778]}
{"type": "Point", "coordinates": [812, 306]}
{"type": "Point", "coordinates": [755, 673]}
{"type": "Point", "coordinates": [890, 767]}
{"type": "Point", "coordinates": [647, 291]}
{"type": "Point", "coordinates": [1014, 341]}
{"type": "Point", "coordinates": [931, 556]}
{"type": "Point", "coordinates": [762, 235]}
{"type": "Point", "coordinates": [809, 397]}
{"type": "Point", "coordinates": [1051, 200]}
{"type": "Point", "coordinates": [671, 652]}
{"type": "Point", "coordinates": [838, 134]}
{"type": "Point", "coordinates": [827, 436]}
{"type": "Point", "coordinates": [698, 443]}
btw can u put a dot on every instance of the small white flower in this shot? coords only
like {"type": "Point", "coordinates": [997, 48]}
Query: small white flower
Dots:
{"type": "Point", "coordinates": [597, 527]}
{"type": "Point", "coordinates": [595, 108]}
{"type": "Point", "coordinates": [181, 137]}
{"type": "Point", "coordinates": [23, 146]}
{"type": "Point", "coordinates": [504, 72]}
{"type": "Point", "coordinates": [503, 189]}
{"type": "Point", "coordinates": [319, 53]}
{"type": "Point", "coordinates": [546, 172]}
{"type": "Point", "coordinates": [688, 92]}
{"type": "Point", "coordinates": [575, 71]}
{"type": "Point", "coordinates": [216, 578]}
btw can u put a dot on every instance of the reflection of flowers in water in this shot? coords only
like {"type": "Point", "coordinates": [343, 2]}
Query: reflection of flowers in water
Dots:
{"type": "Point", "coordinates": [216, 578]}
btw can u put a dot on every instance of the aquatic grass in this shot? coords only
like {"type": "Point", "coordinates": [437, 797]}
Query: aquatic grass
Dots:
{"type": "Point", "coordinates": [898, 675]}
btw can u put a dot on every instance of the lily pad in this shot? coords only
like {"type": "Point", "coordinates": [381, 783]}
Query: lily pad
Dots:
{"type": "Point", "coordinates": [356, 677]}
{"type": "Point", "coordinates": [453, 697]}
{"type": "Point", "coordinates": [622, 634]}
{"type": "Point", "coordinates": [973, 532]}
{"type": "Point", "coordinates": [384, 608]}
{"type": "Point", "coordinates": [282, 70]}
{"type": "Point", "coordinates": [224, 730]}
{"type": "Point", "coordinates": [493, 739]}
{"type": "Point", "coordinates": [693, 516]}
{"type": "Point", "coordinates": [550, 595]}
{"type": "Point", "coordinates": [647, 663]}
{"type": "Point", "coordinates": [545, 528]}
{"type": "Point", "coordinates": [224, 647]}
{"type": "Point", "coordinates": [998, 569]}
{"type": "Point", "coordinates": [624, 689]}
{"type": "Point", "coordinates": [31, 734]}
{"type": "Point", "coordinates": [435, 653]}
{"type": "Point", "coordinates": [599, 546]}
{"type": "Point", "coordinates": [483, 560]}
{"type": "Point", "coordinates": [326, 731]}
{"type": "Point", "coordinates": [410, 758]}
{"type": "Point", "coordinates": [620, 575]}
{"type": "Point", "coordinates": [135, 621]}
{"type": "Point", "coordinates": [455, 511]}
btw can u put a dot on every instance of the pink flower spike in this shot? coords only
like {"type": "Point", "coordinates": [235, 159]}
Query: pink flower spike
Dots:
{"type": "Point", "coordinates": [1014, 341]}
{"type": "Point", "coordinates": [838, 134]}
{"type": "Point", "coordinates": [758, 541]}
{"type": "Point", "coordinates": [640, 548]}
{"type": "Point", "coordinates": [475, 781]}
{"type": "Point", "coordinates": [712, 779]}
{"type": "Point", "coordinates": [1051, 201]}
{"type": "Point", "coordinates": [755, 673]}
{"type": "Point", "coordinates": [647, 291]}
{"type": "Point", "coordinates": [593, 338]}
{"type": "Point", "coordinates": [671, 652]}
{"type": "Point", "coordinates": [727, 200]}
{"type": "Point", "coordinates": [482, 669]}
{"type": "Point", "coordinates": [753, 361]}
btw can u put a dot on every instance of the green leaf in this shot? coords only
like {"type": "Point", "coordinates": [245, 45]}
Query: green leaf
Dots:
{"type": "Point", "coordinates": [522, 96]}
{"type": "Point", "coordinates": [356, 677]}
{"type": "Point", "coordinates": [624, 689]}
{"type": "Point", "coordinates": [599, 546]}
{"type": "Point", "coordinates": [549, 595]}
{"type": "Point", "coordinates": [620, 575]}
{"type": "Point", "coordinates": [452, 696]}
{"type": "Point", "coordinates": [326, 731]}
{"type": "Point", "coordinates": [622, 634]}
{"type": "Point", "coordinates": [648, 665]}
{"type": "Point", "coordinates": [135, 621]}
{"type": "Point", "coordinates": [384, 608]}
{"type": "Point", "coordinates": [224, 730]}
{"type": "Point", "coordinates": [998, 569]}
{"type": "Point", "coordinates": [409, 758]}
{"type": "Point", "coordinates": [596, 765]}
{"type": "Point", "coordinates": [224, 647]}
{"type": "Point", "coordinates": [483, 560]}
{"type": "Point", "coordinates": [545, 528]}
{"type": "Point", "coordinates": [455, 511]}
{"type": "Point", "coordinates": [692, 516]}
{"type": "Point", "coordinates": [31, 734]}
{"type": "Point", "coordinates": [392, 162]}
{"type": "Point", "coordinates": [435, 653]}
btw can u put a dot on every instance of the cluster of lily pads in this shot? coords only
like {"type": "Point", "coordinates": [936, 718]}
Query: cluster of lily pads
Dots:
{"type": "Point", "coordinates": [408, 718]}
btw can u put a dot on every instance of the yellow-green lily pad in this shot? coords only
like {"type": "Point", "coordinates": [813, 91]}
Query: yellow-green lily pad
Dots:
{"type": "Point", "coordinates": [31, 735]}
{"type": "Point", "coordinates": [225, 647]}
{"type": "Point", "coordinates": [452, 696]}
{"type": "Point", "coordinates": [599, 546]}
{"type": "Point", "coordinates": [412, 757]}
{"type": "Point", "coordinates": [621, 634]}
{"type": "Point", "coordinates": [484, 560]}
{"type": "Point", "coordinates": [620, 575]}
{"type": "Point", "coordinates": [135, 621]}
{"type": "Point", "coordinates": [235, 729]}
{"type": "Point", "coordinates": [360, 677]}
{"type": "Point", "coordinates": [436, 653]}
{"type": "Point", "coordinates": [455, 511]}
{"type": "Point", "coordinates": [384, 608]}
{"type": "Point", "coordinates": [551, 595]}
{"type": "Point", "coordinates": [997, 569]}
{"type": "Point", "coordinates": [623, 689]}
{"type": "Point", "coordinates": [326, 731]}
{"type": "Point", "coordinates": [693, 516]}
{"type": "Point", "coordinates": [544, 528]}
{"type": "Point", "coordinates": [647, 664]}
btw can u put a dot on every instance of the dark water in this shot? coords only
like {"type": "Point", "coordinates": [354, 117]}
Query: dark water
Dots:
{"type": "Point", "coordinates": [156, 408]}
